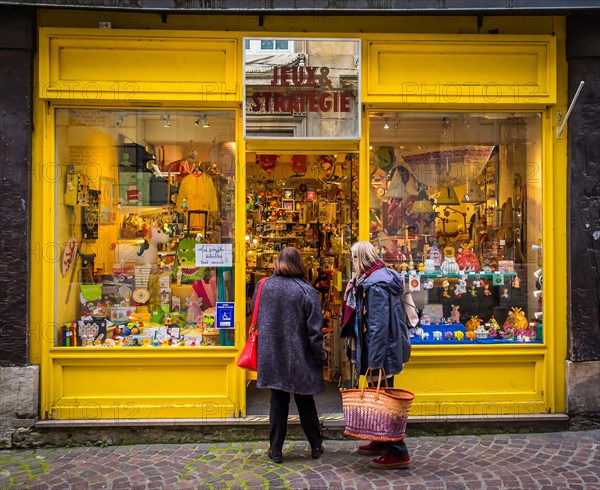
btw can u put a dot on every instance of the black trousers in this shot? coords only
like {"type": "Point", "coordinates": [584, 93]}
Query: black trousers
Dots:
{"type": "Point", "coordinates": [397, 448]}
{"type": "Point", "coordinates": [278, 419]}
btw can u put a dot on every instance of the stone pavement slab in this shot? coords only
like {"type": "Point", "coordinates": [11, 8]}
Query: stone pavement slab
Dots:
{"type": "Point", "coordinates": [560, 460]}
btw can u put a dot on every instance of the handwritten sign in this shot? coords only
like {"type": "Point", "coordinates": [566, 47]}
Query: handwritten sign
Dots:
{"type": "Point", "coordinates": [214, 254]}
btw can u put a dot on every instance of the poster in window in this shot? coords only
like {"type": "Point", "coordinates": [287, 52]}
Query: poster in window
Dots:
{"type": "Point", "coordinates": [89, 216]}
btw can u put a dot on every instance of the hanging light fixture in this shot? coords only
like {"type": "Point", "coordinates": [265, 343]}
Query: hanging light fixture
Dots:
{"type": "Point", "coordinates": [386, 125]}
{"type": "Point", "coordinates": [166, 119]}
{"type": "Point", "coordinates": [422, 204]}
{"type": "Point", "coordinates": [447, 197]}
{"type": "Point", "coordinates": [205, 122]}
{"type": "Point", "coordinates": [197, 121]}
{"type": "Point", "coordinates": [119, 122]}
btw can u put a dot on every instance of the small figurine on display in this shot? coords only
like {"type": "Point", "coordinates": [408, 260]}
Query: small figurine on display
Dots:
{"type": "Point", "coordinates": [460, 288]}
{"type": "Point", "coordinates": [459, 335]}
{"type": "Point", "coordinates": [466, 258]}
{"type": "Point", "coordinates": [516, 282]}
{"type": "Point", "coordinates": [486, 289]}
{"type": "Point", "coordinates": [193, 308]}
{"type": "Point", "coordinates": [428, 284]}
{"type": "Point", "coordinates": [435, 255]}
{"type": "Point", "coordinates": [446, 286]}
{"type": "Point", "coordinates": [437, 335]}
{"type": "Point", "coordinates": [449, 265]}
{"type": "Point", "coordinates": [455, 314]}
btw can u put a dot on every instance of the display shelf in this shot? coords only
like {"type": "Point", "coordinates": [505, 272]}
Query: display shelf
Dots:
{"type": "Point", "coordinates": [469, 275]}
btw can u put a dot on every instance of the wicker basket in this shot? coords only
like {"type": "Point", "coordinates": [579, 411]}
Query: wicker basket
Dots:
{"type": "Point", "coordinates": [376, 414]}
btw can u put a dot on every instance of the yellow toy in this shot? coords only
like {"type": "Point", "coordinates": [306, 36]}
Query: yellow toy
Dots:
{"type": "Point", "coordinates": [473, 323]}
{"type": "Point", "coordinates": [459, 335]}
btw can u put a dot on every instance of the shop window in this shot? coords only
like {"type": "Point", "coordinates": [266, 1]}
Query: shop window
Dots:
{"type": "Point", "coordinates": [309, 202]}
{"type": "Point", "coordinates": [145, 209]}
{"type": "Point", "coordinates": [456, 206]}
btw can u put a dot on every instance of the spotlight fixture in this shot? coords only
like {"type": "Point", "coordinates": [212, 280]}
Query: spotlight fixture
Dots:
{"type": "Point", "coordinates": [119, 122]}
{"type": "Point", "coordinates": [166, 121]}
{"type": "Point", "coordinates": [386, 125]}
{"type": "Point", "coordinates": [205, 122]}
{"type": "Point", "coordinates": [197, 121]}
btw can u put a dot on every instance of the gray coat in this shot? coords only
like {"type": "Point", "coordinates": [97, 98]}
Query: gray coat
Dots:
{"type": "Point", "coordinates": [290, 340]}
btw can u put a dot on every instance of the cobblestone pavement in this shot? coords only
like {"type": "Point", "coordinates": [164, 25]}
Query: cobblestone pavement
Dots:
{"type": "Point", "coordinates": [561, 460]}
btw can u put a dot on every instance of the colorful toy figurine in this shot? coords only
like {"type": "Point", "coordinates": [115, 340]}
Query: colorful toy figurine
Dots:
{"type": "Point", "coordinates": [466, 258]}
{"type": "Point", "coordinates": [455, 314]}
{"type": "Point", "coordinates": [446, 286]}
{"type": "Point", "coordinates": [449, 265]}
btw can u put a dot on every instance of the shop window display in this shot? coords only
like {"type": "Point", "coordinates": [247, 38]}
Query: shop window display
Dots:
{"type": "Point", "coordinates": [456, 207]}
{"type": "Point", "coordinates": [309, 202]}
{"type": "Point", "coordinates": [140, 195]}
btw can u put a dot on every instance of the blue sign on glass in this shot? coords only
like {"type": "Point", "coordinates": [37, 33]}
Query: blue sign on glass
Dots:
{"type": "Point", "coordinates": [225, 315]}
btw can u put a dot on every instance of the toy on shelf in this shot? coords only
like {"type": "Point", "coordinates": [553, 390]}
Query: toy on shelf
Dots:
{"type": "Point", "coordinates": [449, 265]}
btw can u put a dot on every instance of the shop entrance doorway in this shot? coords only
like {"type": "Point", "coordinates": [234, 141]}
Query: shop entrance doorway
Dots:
{"type": "Point", "coordinates": [309, 201]}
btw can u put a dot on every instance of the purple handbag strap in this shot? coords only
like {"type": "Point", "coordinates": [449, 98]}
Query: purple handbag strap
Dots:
{"type": "Point", "coordinates": [261, 283]}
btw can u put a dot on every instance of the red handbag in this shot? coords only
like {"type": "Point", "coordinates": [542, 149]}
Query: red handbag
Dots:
{"type": "Point", "coordinates": [248, 356]}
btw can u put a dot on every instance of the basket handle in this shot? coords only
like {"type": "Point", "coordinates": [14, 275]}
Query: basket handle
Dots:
{"type": "Point", "coordinates": [369, 376]}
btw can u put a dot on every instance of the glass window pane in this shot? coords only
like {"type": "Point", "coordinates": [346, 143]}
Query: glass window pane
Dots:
{"type": "Point", "coordinates": [266, 44]}
{"type": "Point", "coordinates": [246, 43]}
{"type": "Point", "coordinates": [281, 44]}
{"type": "Point", "coordinates": [456, 206]}
{"type": "Point", "coordinates": [138, 192]}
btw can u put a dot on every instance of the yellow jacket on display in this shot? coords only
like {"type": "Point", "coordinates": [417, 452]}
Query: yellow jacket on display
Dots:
{"type": "Point", "coordinates": [199, 193]}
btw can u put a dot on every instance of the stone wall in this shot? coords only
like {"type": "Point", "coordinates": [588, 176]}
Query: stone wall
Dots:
{"type": "Point", "coordinates": [583, 365]}
{"type": "Point", "coordinates": [19, 383]}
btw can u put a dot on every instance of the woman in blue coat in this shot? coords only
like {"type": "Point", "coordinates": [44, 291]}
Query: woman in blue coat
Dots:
{"type": "Point", "coordinates": [381, 334]}
{"type": "Point", "coordinates": [290, 350]}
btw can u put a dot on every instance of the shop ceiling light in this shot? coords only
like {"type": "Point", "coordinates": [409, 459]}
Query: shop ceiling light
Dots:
{"type": "Point", "coordinates": [119, 122]}
{"type": "Point", "coordinates": [166, 121]}
{"type": "Point", "coordinates": [197, 121]}
{"type": "Point", "coordinates": [386, 125]}
{"type": "Point", "coordinates": [205, 122]}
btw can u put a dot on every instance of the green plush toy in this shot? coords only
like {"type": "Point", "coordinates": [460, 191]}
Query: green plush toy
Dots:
{"type": "Point", "coordinates": [185, 262]}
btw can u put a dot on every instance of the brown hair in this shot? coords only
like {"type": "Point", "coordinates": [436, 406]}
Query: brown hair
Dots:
{"type": "Point", "coordinates": [289, 263]}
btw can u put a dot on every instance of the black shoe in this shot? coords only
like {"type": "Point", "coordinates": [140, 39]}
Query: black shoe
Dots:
{"type": "Point", "coordinates": [275, 457]}
{"type": "Point", "coordinates": [316, 452]}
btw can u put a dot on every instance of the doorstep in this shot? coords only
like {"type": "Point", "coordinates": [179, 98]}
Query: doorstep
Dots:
{"type": "Point", "coordinates": [330, 420]}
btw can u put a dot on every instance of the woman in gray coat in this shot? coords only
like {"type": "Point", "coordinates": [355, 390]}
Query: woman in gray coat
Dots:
{"type": "Point", "coordinates": [290, 350]}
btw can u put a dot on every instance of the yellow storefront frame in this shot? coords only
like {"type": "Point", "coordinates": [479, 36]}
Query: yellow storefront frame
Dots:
{"type": "Point", "coordinates": [80, 384]}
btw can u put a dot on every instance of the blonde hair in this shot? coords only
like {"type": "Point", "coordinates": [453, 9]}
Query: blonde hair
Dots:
{"type": "Point", "coordinates": [365, 254]}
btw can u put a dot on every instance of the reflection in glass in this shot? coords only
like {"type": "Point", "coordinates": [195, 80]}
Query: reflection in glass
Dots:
{"type": "Point", "coordinates": [456, 207]}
